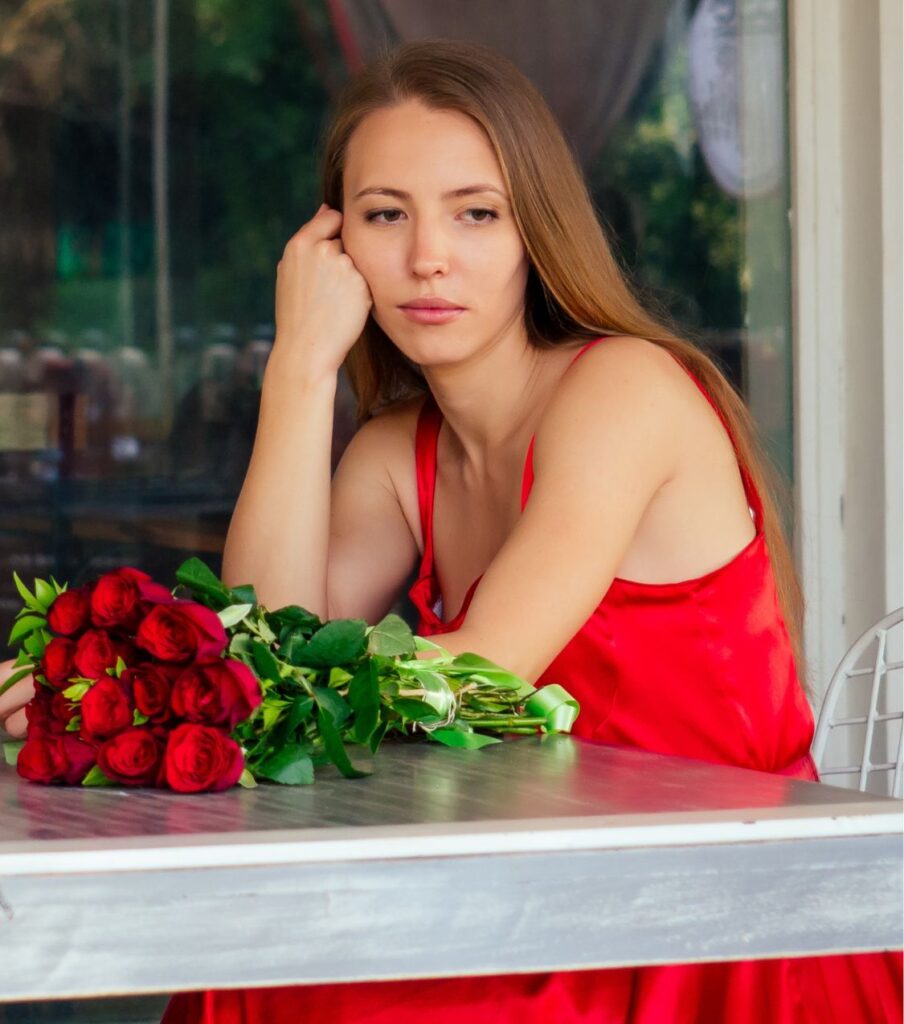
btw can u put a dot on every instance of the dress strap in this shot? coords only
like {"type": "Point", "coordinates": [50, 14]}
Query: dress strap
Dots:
{"type": "Point", "coordinates": [426, 435]}
{"type": "Point", "coordinates": [754, 501]}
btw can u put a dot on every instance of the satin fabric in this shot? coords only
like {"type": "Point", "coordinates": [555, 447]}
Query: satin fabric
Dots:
{"type": "Point", "coordinates": [701, 669]}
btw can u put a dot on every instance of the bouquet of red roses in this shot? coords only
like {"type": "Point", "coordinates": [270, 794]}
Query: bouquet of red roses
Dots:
{"type": "Point", "coordinates": [132, 687]}
{"type": "Point", "coordinates": [136, 686]}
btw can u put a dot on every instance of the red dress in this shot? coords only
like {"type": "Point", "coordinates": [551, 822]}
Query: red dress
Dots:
{"type": "Point", "coordinates": [718, 685]}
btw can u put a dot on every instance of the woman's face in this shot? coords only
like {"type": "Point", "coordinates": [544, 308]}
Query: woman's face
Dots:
{"type": "Point", "coordinates": [412, 238]}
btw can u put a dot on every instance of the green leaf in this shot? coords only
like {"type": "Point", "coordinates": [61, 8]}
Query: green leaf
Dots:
{"type": "Point", "coordinates": [97, 778]}
{"type": "Point", "coordinates": [295, 616]}
{"type": "Point", "coordinates": [244, 594]}
{"type": "Point", "coordinates": [11, 751]}
{"type": "Point", "coordinates": [364, 698]}
{"type": "Point", "coordinates": [414, 710]}
{"type": "Point", "coordinates": [234, 614]}
{"type": "Point", "coordinates": [118, 668]}
{"type": "Point", "coordinates": [15, 677]}
{"type": "Point", "coordinates": [463, 740]}
{"type": "Point", "coordinates": [138, 718]}
{"type": "Point", "coordinates": [74, 724]}
{"type": "Point", "coordinates": [200, 579]}
{"type": "Point", "coordinates": [45, 595]}
{"type": "Point", "coordinates": [299, 712]}
{"type": "Point", "coordinates": [240, 646]}
{"type": "Point", "coordinates": [77, 691]}
{"type": "Point", "coordinates": [247, 780]}
{"type": "Point", "coordinates": [377, 738]}
{"type": "Point", "coordinates": [24, 626]}
{"type": "Point", "coordinates": [34, 644]}
{"type": "Point", "coordinates": [292, 649]}
{"type": "Point", "coordinates": [270, 714]}
{"type": "Point", "coordinates": [336, 643]}
{"type": "Point", "coordinates": [292, 766]}
{"type": "Point", "coordinates": [333, 704]}
{"type": "Point", "coordinates": [27, 596]}
{"type": "Point", "coordinates": [391, 636]}
{"type": "Point", "coordinates": [265, 663]}
{"type": "Point", "coordinates": [334, 747]}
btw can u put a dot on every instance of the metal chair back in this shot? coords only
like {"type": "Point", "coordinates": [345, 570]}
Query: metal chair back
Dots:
{"type": "Point", "coordinates": [875, 658]}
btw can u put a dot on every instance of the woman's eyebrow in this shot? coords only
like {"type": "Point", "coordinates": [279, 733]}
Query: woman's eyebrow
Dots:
{"type": "Point", "coordinates": [468, 190]}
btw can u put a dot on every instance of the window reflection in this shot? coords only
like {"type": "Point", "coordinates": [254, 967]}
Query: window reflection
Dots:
{"type": "Point", "coordinates": [129, 383]}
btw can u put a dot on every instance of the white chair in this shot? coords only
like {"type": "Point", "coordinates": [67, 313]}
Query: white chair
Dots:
{"type": "Point", "coordinates": [868, 657]}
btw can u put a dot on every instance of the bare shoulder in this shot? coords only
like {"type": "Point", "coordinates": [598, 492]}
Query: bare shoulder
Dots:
{"type": "Point", "coordinates": [383, 447]}
{"type": "Point", "coordinates": [624, 382]}
{"type": "Point", "coordinates": [390, 433]}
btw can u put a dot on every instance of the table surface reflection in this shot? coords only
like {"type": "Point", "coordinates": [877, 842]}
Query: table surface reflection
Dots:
{"type": "Point", "coordinates": [533, 854]}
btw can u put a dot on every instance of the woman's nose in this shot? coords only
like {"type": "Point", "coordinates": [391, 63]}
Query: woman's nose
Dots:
{"type": "Point", "coordinates": [429, 253]}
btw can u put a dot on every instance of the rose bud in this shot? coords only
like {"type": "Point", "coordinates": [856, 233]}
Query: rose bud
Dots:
{"type": "Point", "coordinates": [182, 631]}
{"type": "Point", "coordinates": [81, 757]}
{"type": "Point", "coordinates": [151, 687]}
{"type": "Point", "coordinates": [216, 693]}
{"type": "Point", "coordinates": [117, 599]}
{"type": "Point", "coordinates": [58, 662]}
{"type": "Point", "coordinates": [70, 612]}
{"type": "Point", "coordinates": [42, 758]}
{"type": "Point", "coordinates": [199, 757]}
{"type": "Point", "coordinates": [39, 712]}
{"type": "Point", "coordinates": [106, 709]}
{"type": "Point", "coordinates": [96, 651]}
{"type": "Point", "coordinates": [132, 758]}
{"type": "Point", "coordinates": [62, 711]}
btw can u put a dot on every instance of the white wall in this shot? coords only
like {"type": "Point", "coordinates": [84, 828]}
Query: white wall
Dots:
{"type": "Point", "coordinates": [846, 113]}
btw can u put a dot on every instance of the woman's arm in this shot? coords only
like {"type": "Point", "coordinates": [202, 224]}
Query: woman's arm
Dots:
{"type": "Point", "coordinates": [608, 441]}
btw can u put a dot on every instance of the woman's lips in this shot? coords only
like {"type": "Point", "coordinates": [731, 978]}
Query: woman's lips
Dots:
{"type": "Point", "coordinates": [431, 315]}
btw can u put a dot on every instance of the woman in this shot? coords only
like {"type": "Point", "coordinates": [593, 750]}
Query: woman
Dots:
{"type": "Point", "coordinates": [571, 478]}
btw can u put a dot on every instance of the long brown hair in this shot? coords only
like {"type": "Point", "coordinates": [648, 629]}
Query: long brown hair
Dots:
{"type": "Point", "coordinates": [575, 288]}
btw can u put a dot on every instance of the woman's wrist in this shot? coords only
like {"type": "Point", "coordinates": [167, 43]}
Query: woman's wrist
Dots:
{"type": "Point", "coordinates": [288, 371]}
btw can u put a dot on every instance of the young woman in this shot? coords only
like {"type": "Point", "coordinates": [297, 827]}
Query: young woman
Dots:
{"type": "Point", "coordinates": [570, 477]}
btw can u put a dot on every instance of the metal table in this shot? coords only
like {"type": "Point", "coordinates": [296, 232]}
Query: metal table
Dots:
{"type": "Point", "coordinates": [529, 855]}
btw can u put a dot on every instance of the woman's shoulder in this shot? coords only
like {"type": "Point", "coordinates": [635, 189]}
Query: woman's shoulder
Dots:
{"type": "Point", "coordinates": [620, 372]}
{"type": "Point", "coordinates": [635, 393]}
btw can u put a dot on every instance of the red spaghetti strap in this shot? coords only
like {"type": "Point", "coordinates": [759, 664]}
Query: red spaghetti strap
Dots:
{"type": "Point", "coordinates": [428, 423]}
{"type": "Point", "coordinates": [753, 496]}
{"type": "Point", "coordinates": [587, 347]}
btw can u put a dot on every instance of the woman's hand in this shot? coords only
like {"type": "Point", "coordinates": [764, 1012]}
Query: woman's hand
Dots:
{"type": "Point", "coordinates": [13, 701]}
{"type": "Point", "coordinates": [322, 301]}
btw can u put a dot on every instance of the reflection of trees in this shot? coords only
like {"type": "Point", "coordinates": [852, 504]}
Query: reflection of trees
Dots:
{"type": "Point", "coordinates": [56, 58]}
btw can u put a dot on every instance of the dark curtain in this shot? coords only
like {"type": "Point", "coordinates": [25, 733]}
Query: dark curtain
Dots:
{"type": "Point", "coordinates": [586, 57]}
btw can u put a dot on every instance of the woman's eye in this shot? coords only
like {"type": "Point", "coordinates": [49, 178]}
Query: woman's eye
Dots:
{"type": "Point", "coordinates": [372, 216]}
{"type": "Point", "coordinates": [490, 215]}
{"type": "Point", "coordinates": [391, 216]}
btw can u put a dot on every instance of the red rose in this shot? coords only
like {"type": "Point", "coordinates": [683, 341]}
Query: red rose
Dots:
{"type": "Point", "coordinates": [106, 709]}
{"type": "Point", "coordinates": [182, 631]}
{"type": "Point", "coordinates": [132, 758]}
{"type": "Point", "coordinates": [151, 687]}
{"type": "Point", "coordinates": [39, 712]}
{"type": "Point", "coordinates": [47, 758]}
{"type": "Point", "coordinates": [199, 757]}
{"type": "Point", "coordinates": [70, 612]}
{"type": "Point", "coordinates": [96, 651]}
{"type": "Point", "coordinates": [58, 662]}
{"type": "Point", "coordinates": [62, 711]}
{"type": "Point", "coordinates": [42, 758]}
{"type": "Point", "coordinates": [118, 596]}
{"type": "Point", "coordinates": [216, 693]}
{"type": "Point", "coordinates": [81, 757]}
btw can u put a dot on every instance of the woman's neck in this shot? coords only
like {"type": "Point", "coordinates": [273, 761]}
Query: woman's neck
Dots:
{"type": "Point", "coordinates": [490, 401]}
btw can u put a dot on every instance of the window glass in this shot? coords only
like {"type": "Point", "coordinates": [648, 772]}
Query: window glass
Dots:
{"type": "Point", "coordinates": [155, 156]}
